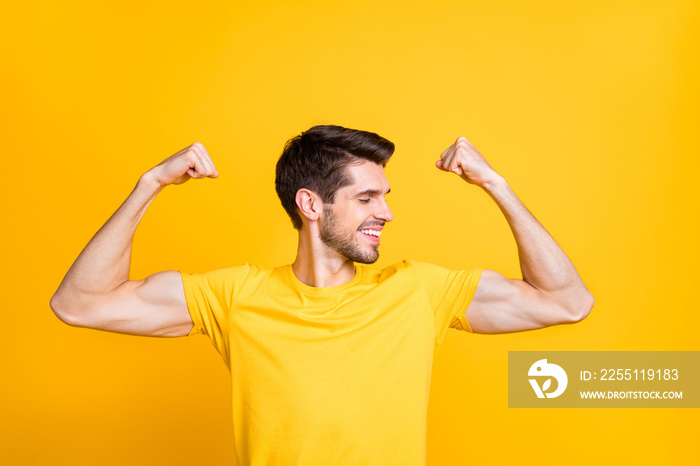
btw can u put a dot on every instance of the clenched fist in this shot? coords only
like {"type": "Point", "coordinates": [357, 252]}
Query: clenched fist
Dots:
{"type": "Point", "coordinates": [463, 159]}
{"type": "Point", "coordinates": [191, 162]}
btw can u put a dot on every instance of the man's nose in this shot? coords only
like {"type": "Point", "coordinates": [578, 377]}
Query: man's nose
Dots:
{"type": "Point", "coordinates": [385, 213]}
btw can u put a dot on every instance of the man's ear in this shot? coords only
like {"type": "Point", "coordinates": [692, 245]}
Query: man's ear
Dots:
{"type": "Point", "coordinates": [309, 203]}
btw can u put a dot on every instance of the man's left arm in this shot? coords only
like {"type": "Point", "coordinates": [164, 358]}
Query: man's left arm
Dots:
{"type": "Point", "coordinates": [551, 291]}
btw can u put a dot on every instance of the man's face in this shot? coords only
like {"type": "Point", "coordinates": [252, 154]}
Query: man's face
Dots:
{"type": "Point", "coordinates": [352, 224]}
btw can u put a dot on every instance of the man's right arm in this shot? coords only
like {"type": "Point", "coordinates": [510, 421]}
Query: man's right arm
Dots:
{"type": "Point", "coordinates": [97, 293]}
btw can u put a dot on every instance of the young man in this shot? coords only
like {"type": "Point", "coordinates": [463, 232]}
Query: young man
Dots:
{"type": "Point", "coordinates": [330, 359]}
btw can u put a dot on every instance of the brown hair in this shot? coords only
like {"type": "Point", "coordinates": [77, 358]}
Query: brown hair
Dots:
{"type": "Point", "coordinates": [316, 160]}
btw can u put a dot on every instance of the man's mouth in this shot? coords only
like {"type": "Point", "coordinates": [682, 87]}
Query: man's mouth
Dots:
{"type": "Point", "coordinates": [371, 234]}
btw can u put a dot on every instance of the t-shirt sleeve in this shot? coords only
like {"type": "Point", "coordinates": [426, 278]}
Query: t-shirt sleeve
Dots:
{"type": "Point", "coordinates": [449, 293]}
{"type": "Point", "coordinates": [210, 297]}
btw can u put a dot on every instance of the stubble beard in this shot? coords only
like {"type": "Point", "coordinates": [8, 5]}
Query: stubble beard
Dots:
{"type": "Point", "coordinates": [345, 241]}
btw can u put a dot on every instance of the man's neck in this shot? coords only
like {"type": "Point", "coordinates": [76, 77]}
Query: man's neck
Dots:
{"type": "Point", "coordinates": [319, 266]}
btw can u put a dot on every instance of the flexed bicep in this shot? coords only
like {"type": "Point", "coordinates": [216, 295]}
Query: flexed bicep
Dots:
{"type": "Point", "coordinates": [154, 306]}
{"type": "Point", "coordinates": [503, 305]}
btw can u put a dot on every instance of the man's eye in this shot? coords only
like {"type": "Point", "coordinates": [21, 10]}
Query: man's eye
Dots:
{"type": "Point", "coordinates": [364, 201]}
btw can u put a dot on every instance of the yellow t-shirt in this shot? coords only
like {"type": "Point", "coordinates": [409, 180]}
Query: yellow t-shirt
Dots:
{"type": "Point", "coordinates": [337, 375]}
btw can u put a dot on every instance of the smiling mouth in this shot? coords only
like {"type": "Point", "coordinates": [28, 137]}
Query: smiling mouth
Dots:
{"type": "Point", "coordinates": [372, 235]}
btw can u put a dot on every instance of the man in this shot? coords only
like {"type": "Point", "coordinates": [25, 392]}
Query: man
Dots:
{"type": "Point", "coordinates": [330, 359]}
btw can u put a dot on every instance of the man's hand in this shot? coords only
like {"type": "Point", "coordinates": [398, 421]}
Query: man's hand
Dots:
{"type": "Point", "coordinates": [191, 162]}
{"type": "Point", "coordinates": [463, 159]}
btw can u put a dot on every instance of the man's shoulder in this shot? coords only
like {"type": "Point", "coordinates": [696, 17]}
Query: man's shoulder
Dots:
{"type": "Point", "coordinates": [404, 265]}
{"type": "Point", "coordinates": [235, 272]}
{"type": "Point", "coordinates": [411, 272]}
{"type": "Point", "coordinates": [402, 268]}
{"type": "Point", "coordinates": [420, 269]}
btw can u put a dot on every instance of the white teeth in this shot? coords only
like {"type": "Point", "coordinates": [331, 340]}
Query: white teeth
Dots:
{"type": "Point", "coordinates": [371, 232]}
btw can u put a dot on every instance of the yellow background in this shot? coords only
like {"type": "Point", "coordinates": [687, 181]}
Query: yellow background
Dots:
{"type": "Point", "coordinates": [588, 108]}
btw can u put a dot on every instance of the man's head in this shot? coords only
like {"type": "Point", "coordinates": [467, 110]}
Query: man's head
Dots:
{"type": "Point", "coordinates": [344, 169]}
{"type": "Point", "coordinates": [317, 160]}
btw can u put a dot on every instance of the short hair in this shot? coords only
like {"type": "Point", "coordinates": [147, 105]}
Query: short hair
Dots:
{"type": "Point", "coordinates": [316, 160]}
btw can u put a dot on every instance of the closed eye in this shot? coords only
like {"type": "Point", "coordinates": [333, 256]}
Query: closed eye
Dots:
{"type": "Point", "coordinates": [364, 201]}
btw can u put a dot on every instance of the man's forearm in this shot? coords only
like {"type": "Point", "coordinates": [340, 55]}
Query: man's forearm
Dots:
{"type": "Point", "coordinates": [104, 263]}
{"type": "Point", "coordinates": [543, 263]}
